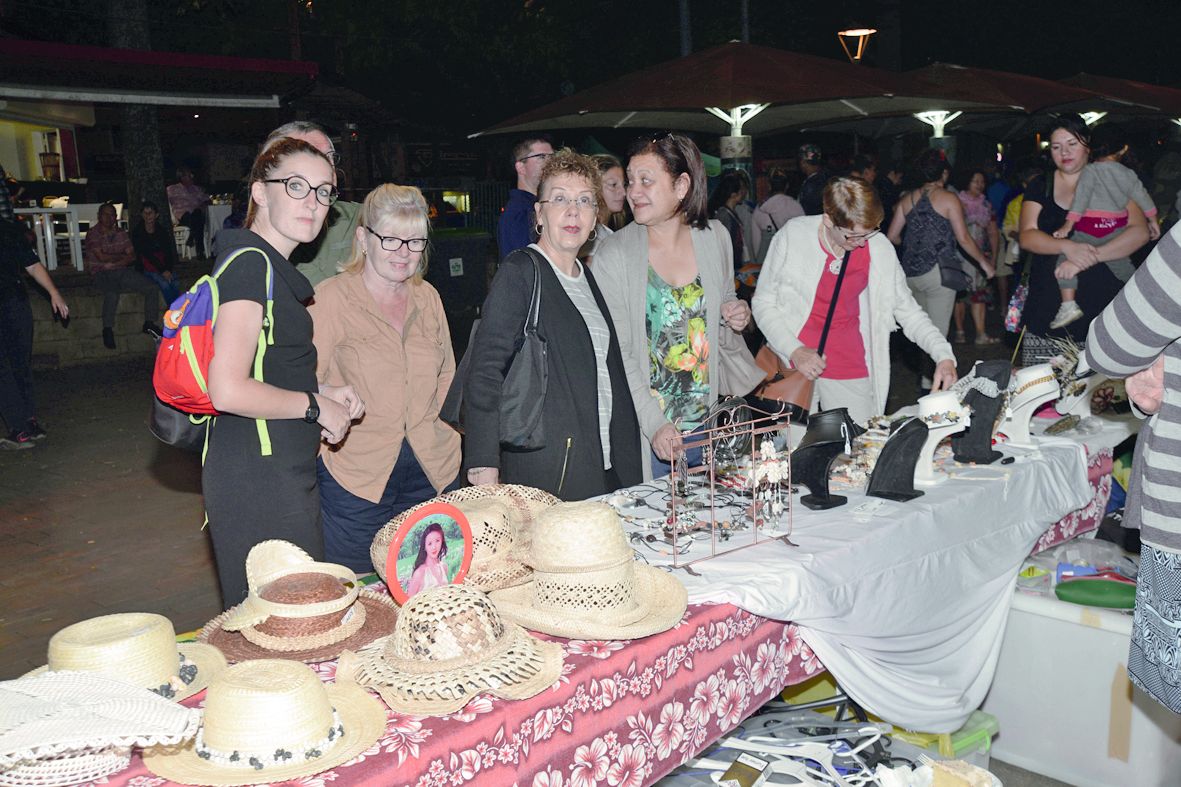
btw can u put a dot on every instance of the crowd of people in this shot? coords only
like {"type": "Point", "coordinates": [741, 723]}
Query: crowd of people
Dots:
{"type": "Point", "coordinates": [646, 289]}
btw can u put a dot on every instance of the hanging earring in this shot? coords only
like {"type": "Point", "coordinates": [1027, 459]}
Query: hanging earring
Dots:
{"type": "Point", "coordinates": [537, 229]}
{"type": "Point", "coordinates": [594, 234]}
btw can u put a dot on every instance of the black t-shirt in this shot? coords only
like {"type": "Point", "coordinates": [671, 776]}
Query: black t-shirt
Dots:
{"type": "Point", "coordinates": [16, 254]}
{"type": "Point", "coordinates": [1096, 286]}
{"type": "Point", "coordinates": [289, 363]}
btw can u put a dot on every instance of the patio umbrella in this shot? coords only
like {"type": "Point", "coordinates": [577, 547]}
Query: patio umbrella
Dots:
{"type": "Point", "coordinates": [1129, 93]}
{"type": "Point", "coordinates": [1017, 103]}
{"type": "Point", "coordinates": [750, 89]}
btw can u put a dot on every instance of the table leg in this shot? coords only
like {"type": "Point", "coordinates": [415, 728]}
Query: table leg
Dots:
{"type": "Point", "coordinates": [50, 242]}
{"type": "Point", "coordinates": [75, 239]}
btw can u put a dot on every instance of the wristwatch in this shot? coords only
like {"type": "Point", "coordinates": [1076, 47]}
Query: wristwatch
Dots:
{"type": "Point", "coordinates": [313, 413]}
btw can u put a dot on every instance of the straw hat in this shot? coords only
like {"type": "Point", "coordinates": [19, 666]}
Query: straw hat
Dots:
{"type": "Point", "coordinates": [298, 609]}
{"type": "Point", "coordinates": [269, 721]}
{"type": "Point", "coordinates": [69, 727]}
{"type": "Point", "coordinates": [587, 583]}
{"type": "Point", "coordinates": [496, 557]}
{"type": "Point", "coordinates": [449, 646]}
{"type": "Point", "coordinates": [139, 648]}
{"type": "Point", "coordinates": [524, 504]}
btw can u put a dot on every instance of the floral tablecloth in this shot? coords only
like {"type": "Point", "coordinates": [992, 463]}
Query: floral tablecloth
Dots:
{"type": "Point", "coordinates": [1086, 519]}
{"type": "Point", "coordinates": [623, 714]}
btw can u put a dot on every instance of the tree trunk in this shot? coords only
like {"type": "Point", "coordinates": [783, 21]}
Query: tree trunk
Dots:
{"type": "Point", "coordinates": [143, 161]}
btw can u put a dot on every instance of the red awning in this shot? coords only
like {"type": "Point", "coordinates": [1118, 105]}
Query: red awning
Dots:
{"type": "Point", "coordinates": [66, 72]}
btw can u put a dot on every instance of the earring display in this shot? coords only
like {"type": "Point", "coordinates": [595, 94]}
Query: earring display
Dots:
{"type": "Point", "coordinates": [944, 415]}
{"type": "Point", "coordinates": [828, 436]}
{"type": "Point", "coordinates": [893, 475]}
{"type": "Point", "coordinates": [1034, 386]}
{"type": "Point", "coordinates": [984, 389]}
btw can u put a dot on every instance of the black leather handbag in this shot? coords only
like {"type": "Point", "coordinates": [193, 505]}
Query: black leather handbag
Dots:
{"type": "Point", "coordinates": [522, 397]}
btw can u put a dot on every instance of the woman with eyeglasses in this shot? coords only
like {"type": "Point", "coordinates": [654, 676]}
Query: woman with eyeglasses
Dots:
{"type": "Point", "coordinates": [589, 424]}
{"type": "Point", "coordinates": [259, 477]}
{"type": "Point", "coordinates": [668, 279]}
{"type": "Point", "coordinates": [796, 288]}
{"type": "Point", "coordinates": [381, 328]}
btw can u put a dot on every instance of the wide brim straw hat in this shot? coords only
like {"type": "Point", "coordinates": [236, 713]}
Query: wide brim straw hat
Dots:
{"type": "Point", "coordinates": [67, 769]}
{"type": "Point", "coordinates": [139, 648]}
{"type": "Point", "coordinates": [298, 609]}
{"type": "Point", "coordinates": [524, 505]}
{"type": "Point", "coordinates": [450, 646]}
{"type": "Point", "coordinates": [587, 583]}
{"type": "Point", "coordinates": [278, 714]}
{"type": "Point", "coordinates": [69, 727]}
{"type": "Point", "coordinates": [497, 557]}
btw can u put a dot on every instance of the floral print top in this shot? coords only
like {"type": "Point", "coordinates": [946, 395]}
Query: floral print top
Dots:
{"type": "Point", "coordinates": [678, 350]}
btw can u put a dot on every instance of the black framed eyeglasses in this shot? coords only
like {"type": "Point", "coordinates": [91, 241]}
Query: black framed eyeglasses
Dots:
{"type": "Point", "coordinates": [391, 243]}
{"type": "Point", "coordinates": [298, 187]}
{"type": "Point", "coordinates": [857, 237]}
{"type": "Point", "coordinates": [541, 156]}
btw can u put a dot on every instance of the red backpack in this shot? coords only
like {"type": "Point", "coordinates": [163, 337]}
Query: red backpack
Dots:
{"type": "Point", "coordinates": [181, 373]}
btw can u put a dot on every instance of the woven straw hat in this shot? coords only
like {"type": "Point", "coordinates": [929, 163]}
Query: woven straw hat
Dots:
{"type": "Point", "coordinates": [298, 609]}
{"type": "Point", "coordinates": [272, 720]}
{"type": "Point", "coordinates": [524, 504]}
{"type": "Point", "coordinates": [587, 583]}
{"type": "Point", "coordinates": [449, 646]}
{"type": "Point", "coordinates": [496, 557]}
{"type": "Point", "coordinates": [69, 727]}
{"type": "Point", "coordinates": [139, 648]}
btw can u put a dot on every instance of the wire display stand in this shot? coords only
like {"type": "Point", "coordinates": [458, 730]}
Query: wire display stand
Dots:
{"type": "Point", "coordinates": [739, 452]}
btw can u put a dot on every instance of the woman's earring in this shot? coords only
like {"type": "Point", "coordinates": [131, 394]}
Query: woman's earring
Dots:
{"type": "Point", "coordinates": [537, 229]}
{"type": "Point", "coordinates": [594, 234]}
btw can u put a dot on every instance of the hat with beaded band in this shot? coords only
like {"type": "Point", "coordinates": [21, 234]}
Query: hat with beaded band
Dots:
{"type": "Point", "coordinates": [587, 583]}
{"type": "Point", "coordinates": [139, 648]}
{"type": "Point", "coordinates": [449, 646]}
{"type": "Point", "coordinates": [272, 720]}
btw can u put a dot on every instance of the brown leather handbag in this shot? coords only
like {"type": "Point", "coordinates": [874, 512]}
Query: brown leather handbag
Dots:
{"type": "Point", "coordinates": [787, 389]}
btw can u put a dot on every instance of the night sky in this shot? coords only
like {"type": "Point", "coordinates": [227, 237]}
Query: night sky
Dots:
{"type": "Point", "coordinates": [458, 65]}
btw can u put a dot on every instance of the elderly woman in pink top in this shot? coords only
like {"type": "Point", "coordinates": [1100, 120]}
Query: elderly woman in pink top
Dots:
{"type": "Point", "coordinates": [796, 287]}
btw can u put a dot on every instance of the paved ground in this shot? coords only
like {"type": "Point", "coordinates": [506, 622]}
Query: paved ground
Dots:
{"type": "Point", "coordinates": [102, 518]}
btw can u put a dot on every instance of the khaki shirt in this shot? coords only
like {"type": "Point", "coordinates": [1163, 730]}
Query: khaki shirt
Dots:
{"type": "Point", "coordinates": [402, 379]}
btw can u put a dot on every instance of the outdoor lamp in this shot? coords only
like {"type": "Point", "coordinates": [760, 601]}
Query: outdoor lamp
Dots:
{"type": "Point", "coordinates": [861, 35]}
{"type": "Point", "coordinates": [937, 119]}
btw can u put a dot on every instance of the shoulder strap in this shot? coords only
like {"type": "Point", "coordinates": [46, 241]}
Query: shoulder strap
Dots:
{"type": "Point", "coordinates": [534, 312]}
{"type": "Point", "coordinates": [266, 335]}
{"type": "Point", "coordinates": [832, 305]}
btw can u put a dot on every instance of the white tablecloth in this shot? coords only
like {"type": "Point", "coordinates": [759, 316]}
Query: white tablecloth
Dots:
{"type": "Point", "coordinates": [906, 609]}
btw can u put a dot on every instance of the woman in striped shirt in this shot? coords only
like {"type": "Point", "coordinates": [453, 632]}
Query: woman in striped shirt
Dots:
{"type": "Point", "coordinates": [1138, 336]}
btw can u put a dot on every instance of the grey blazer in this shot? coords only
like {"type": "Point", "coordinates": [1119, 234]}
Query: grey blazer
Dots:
{"type": "Point", "coordinates": [621, 269]}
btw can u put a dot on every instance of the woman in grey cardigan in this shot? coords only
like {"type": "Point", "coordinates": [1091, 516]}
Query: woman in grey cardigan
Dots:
{"type": "Point", "coordinates": [668, 280]}
{"type": "Point", "coordinates": [1139, 334]}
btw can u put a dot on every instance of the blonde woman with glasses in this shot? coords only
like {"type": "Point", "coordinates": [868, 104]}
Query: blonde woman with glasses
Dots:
{"type": "Point", "coordinates": [381, 329]}
{"type": "Point", "coordinates": [796, 287]}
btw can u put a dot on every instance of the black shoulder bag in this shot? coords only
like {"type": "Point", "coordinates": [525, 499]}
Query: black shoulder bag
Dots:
{"type": "Point", "coordinates": [522, 397]}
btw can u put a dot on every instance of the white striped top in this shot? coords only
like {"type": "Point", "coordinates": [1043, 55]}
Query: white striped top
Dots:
{"type": "Point", "coordinates": [1141, 323]}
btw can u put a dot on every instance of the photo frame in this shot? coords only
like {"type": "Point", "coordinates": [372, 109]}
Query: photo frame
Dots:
{"type": "Point", "coordinates": [433, 547]}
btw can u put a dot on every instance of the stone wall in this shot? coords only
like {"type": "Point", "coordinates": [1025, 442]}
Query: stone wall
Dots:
{"type": "Point", "coordinates": [80, 340]}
